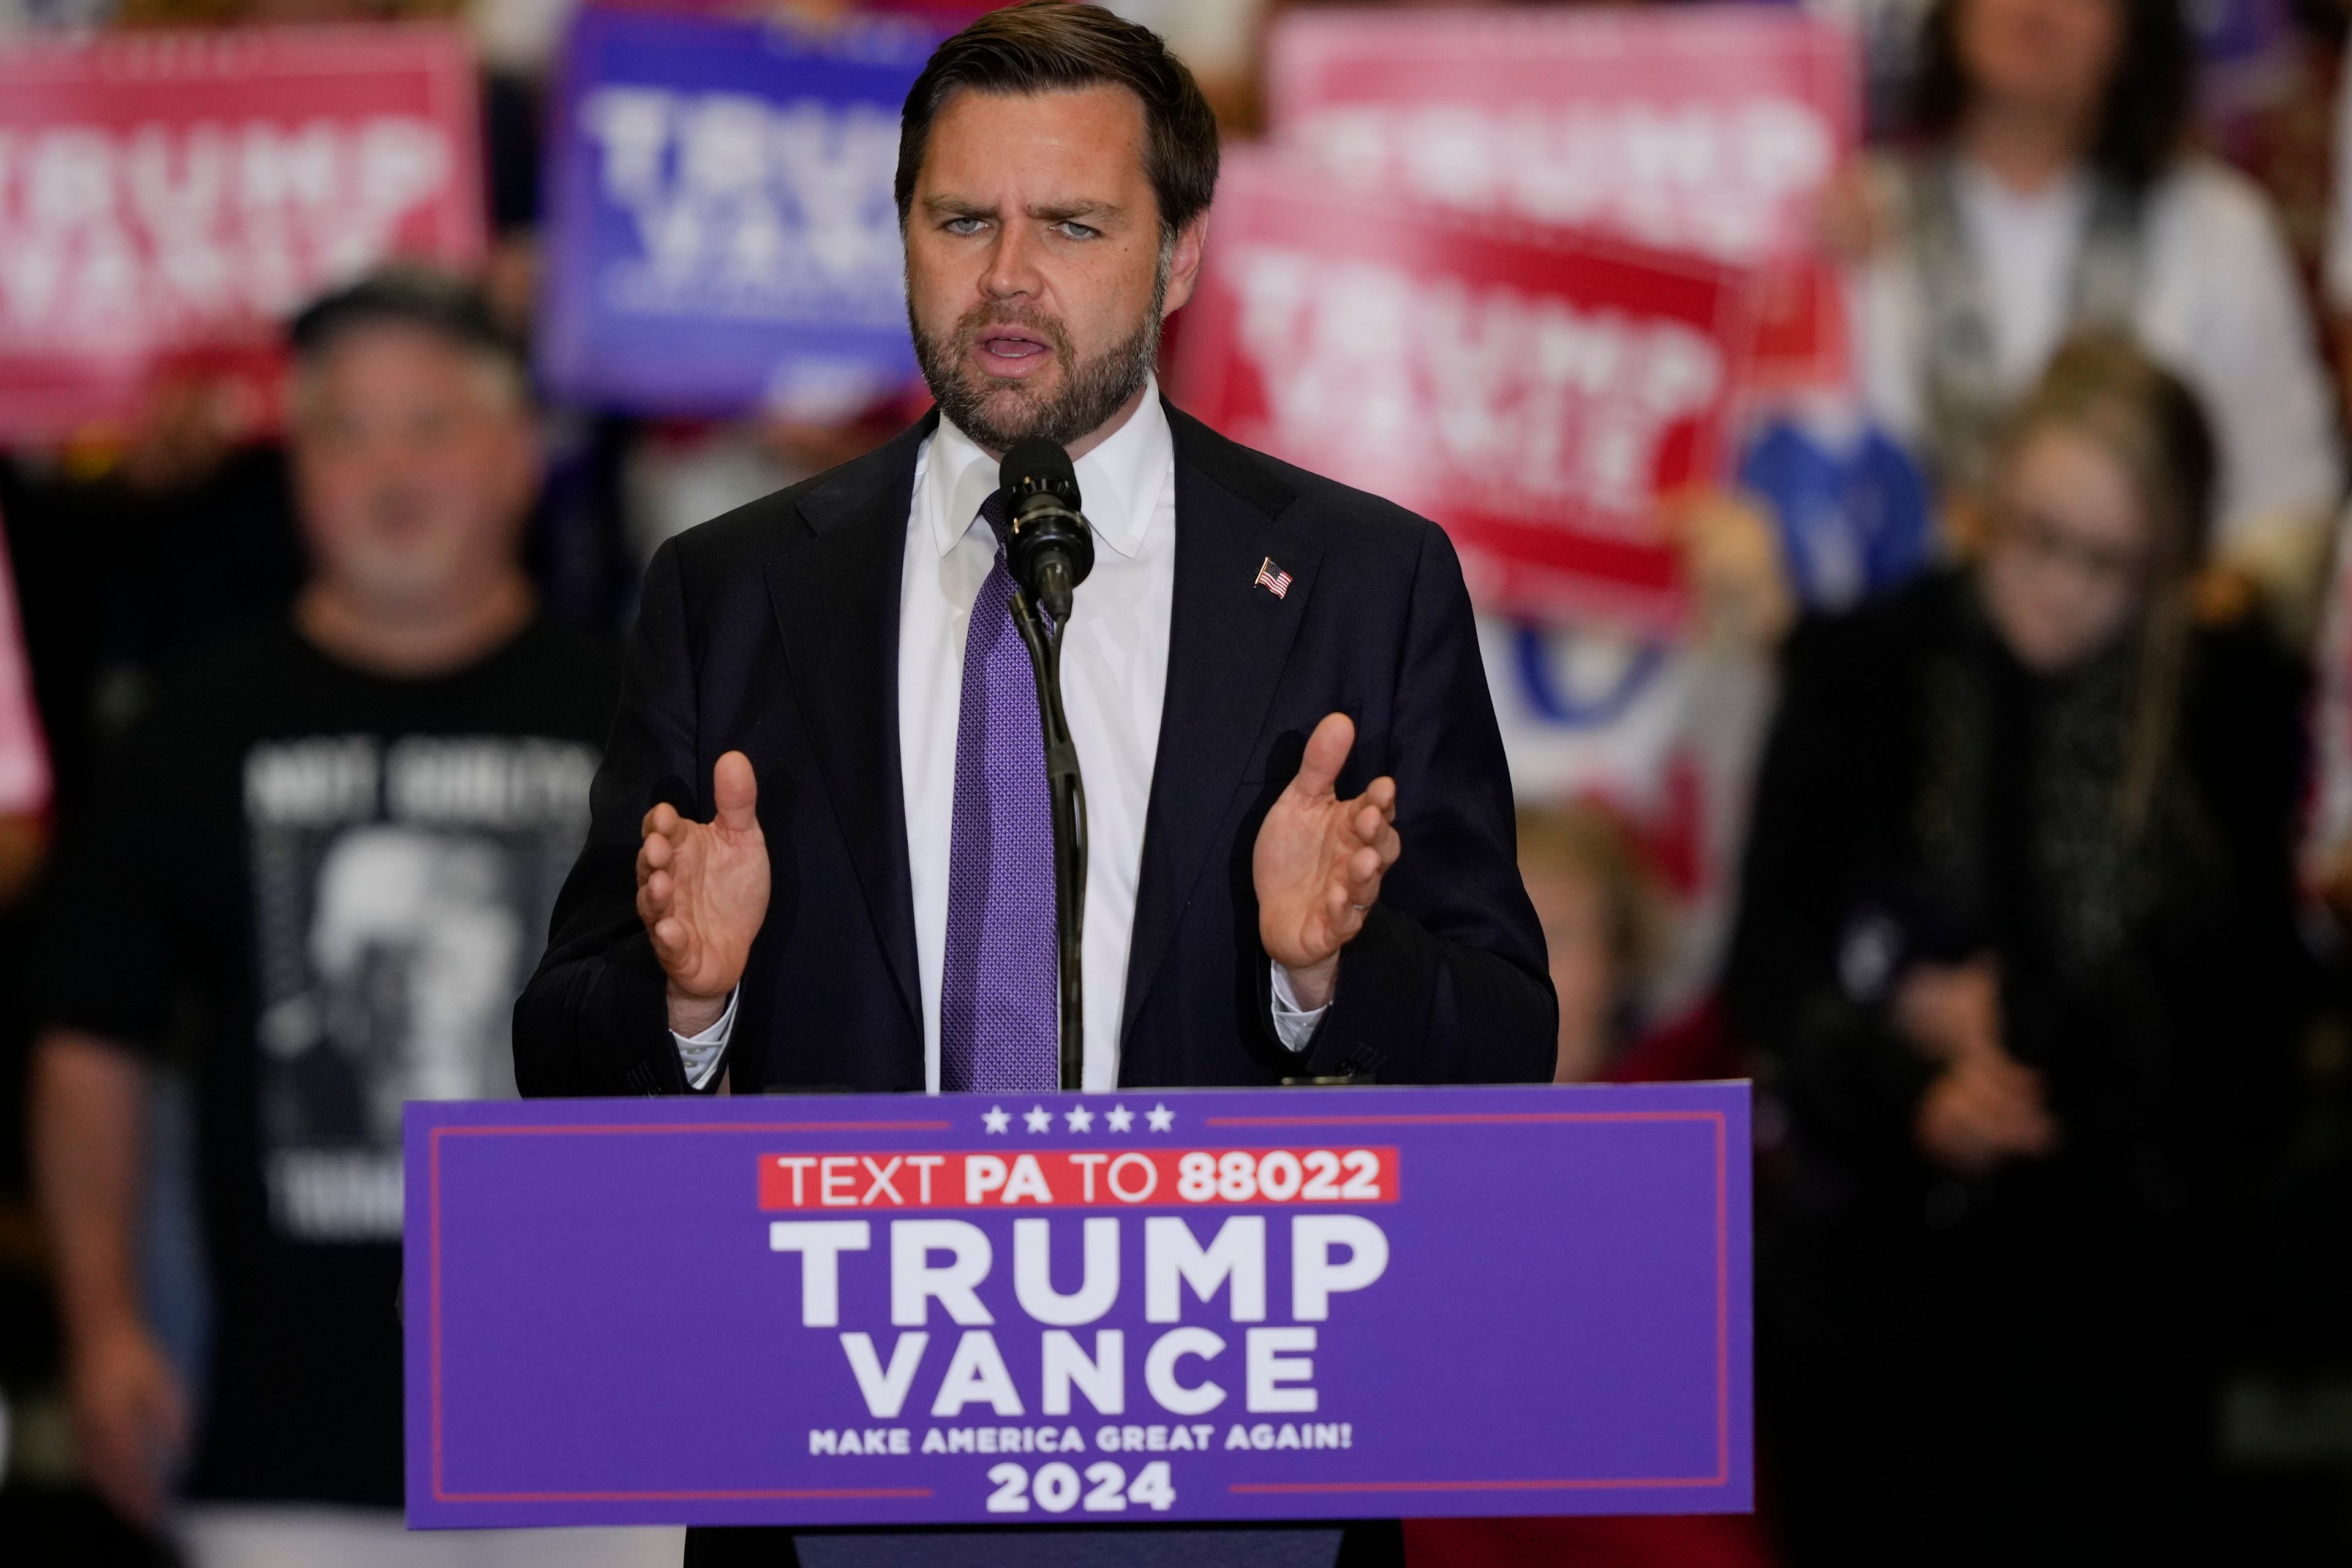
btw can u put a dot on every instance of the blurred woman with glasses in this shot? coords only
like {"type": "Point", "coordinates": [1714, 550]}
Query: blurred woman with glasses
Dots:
{"type": "Point", "coordinates": [2017, 954]}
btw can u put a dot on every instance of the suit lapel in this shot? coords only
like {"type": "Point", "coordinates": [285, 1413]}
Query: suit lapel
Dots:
{"type": "Point", "coordinates": [836, 606]}
{"type": "Point", "coordinates": [1228, 639]}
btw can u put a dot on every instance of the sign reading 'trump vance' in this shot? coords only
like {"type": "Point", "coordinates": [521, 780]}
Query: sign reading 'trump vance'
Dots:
{"type": "Point", "coordinates": [1167, 1305]}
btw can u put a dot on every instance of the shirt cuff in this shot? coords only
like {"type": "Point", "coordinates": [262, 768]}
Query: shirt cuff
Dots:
{"type": "Point", "coordinates": [701, 1054]}
{"type": "Point", "coordinates": [1294, 1025]}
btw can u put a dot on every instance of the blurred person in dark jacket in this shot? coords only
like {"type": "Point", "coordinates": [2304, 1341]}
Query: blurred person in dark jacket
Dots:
{"type": "Point", "coordinates": [317, 872]}
{"type": "Point", "coordinates": [2017, 950]}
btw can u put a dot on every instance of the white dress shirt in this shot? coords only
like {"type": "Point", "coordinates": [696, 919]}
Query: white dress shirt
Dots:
{"type": "Point", "coordinates": [2026, 243]}
{"type": "Point", "coordinates": [1114, 678]}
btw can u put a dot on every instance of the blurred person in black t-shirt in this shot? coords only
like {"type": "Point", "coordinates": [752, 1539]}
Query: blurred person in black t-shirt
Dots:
{"type": "Point", "coordinates": [320, 868]}
{"type": "Point", "coordinates": [2018, 952]}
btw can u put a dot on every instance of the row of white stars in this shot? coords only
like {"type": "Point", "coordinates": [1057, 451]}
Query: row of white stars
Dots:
{"type": "Point", "coordinates": [1117, 1119]}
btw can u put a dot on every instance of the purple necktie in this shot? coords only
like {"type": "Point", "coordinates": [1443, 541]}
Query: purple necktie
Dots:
{"type": "Point", "coordinates": [998, 994]}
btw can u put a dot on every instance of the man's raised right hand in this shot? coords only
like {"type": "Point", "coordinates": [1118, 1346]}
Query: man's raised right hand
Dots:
{"type": "Point", "coordinates": [702, 891]}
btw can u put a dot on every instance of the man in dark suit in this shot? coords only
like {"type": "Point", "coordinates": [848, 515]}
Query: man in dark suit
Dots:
{"type": "Point", "coordinates": [821, 852]}
{"type": "Point", "coordinates": [819, 847]}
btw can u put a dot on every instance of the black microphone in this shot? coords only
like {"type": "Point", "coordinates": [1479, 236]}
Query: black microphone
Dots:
{"type": "Point", "coordinates": [1051, 548]}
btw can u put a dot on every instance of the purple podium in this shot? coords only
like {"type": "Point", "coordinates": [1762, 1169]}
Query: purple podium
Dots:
{"type": "Point", "coordinates": [1149, 1307]}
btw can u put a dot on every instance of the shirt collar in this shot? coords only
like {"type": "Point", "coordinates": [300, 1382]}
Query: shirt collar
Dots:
{"type": "Point", "coordinates": [2070, 190]}
{"type": "Point", "coordinates": [1119, 482]}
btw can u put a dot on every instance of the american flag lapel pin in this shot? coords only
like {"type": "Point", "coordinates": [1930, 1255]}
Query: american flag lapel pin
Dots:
{"type": "Point", "coordinates": [1272, 578]}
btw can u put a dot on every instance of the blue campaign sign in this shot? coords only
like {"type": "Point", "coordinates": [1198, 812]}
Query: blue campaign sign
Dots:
{"type": "Point", "coordinates": [722, 235]}
{"type": "Point", "coordinates": [1155, 1305]}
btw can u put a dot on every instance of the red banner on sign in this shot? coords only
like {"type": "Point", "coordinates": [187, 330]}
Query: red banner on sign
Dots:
{"type": "Point", "coordinates": [1082, 1178]}
{"type": "Point", "coordinates": [1706, 128]}
{"type": "Point", "coordinates": [170, 195]}
{"type": "Point", "coordinates": [1533, 389]}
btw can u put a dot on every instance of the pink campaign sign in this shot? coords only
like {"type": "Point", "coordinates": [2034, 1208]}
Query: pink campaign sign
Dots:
{"type": "Point", "coordinates": [1534, 391]}
{"type": "Point", "coordinates": [1707, 129]}
{"type": "Point", "coordinates": [173, 196]}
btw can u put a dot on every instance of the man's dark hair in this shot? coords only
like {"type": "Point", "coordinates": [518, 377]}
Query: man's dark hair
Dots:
{"type": "Point", "coordinates": [2146, 115]}
{"type": "Point", "coordinates": [449, 307]}
{"type": "Point", "coordinates": [1049, 46]}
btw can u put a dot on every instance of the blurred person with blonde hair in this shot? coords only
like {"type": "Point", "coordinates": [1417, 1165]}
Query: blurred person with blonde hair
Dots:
{"type": "Point", "coordinates": [2017, 950]}
{"type": "Point", "coordinates": [1604, 920]}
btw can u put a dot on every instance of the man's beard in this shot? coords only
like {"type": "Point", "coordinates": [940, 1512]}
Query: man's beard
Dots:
{"type": "Point", "coordinates": [1091, 390]}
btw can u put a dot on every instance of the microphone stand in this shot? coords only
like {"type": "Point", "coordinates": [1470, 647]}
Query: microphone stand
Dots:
{"type": "Point", "coordinates": [1043, 640]}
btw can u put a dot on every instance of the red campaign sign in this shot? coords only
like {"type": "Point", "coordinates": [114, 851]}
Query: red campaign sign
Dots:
{"type": "Point", "coordinates": [1706, 128]}
{"type": "Point", "coordinates": [1534, 391]}
{"type": "Point", "coordinates": [168, 197]}
{"type": "Point", "coordinates": [1079, 1178]}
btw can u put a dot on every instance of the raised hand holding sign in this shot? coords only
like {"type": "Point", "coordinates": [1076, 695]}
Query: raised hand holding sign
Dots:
{"type": "Point", "coordinates": [702, 891]}
{"type": "Point", "coordinates": [1319, 862]}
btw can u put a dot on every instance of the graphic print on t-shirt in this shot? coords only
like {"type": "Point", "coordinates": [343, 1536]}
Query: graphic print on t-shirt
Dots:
{"type": "Point", "coordinates": [400, 892]}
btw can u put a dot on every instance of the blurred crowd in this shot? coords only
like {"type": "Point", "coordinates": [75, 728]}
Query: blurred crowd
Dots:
{"type": "Point", "coordinates": [2016, 869]}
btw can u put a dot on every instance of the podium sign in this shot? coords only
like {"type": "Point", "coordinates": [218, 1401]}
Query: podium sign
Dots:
{"type": "Point", "coordinates": [1155, 1305]}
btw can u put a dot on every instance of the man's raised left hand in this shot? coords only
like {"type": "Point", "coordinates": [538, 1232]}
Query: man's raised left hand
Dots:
{"type": "Point", "coordinates": [1318, 863]}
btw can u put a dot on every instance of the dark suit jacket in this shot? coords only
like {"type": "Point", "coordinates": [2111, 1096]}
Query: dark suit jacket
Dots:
{"type": "Point", "coordinates": [774, 629]}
